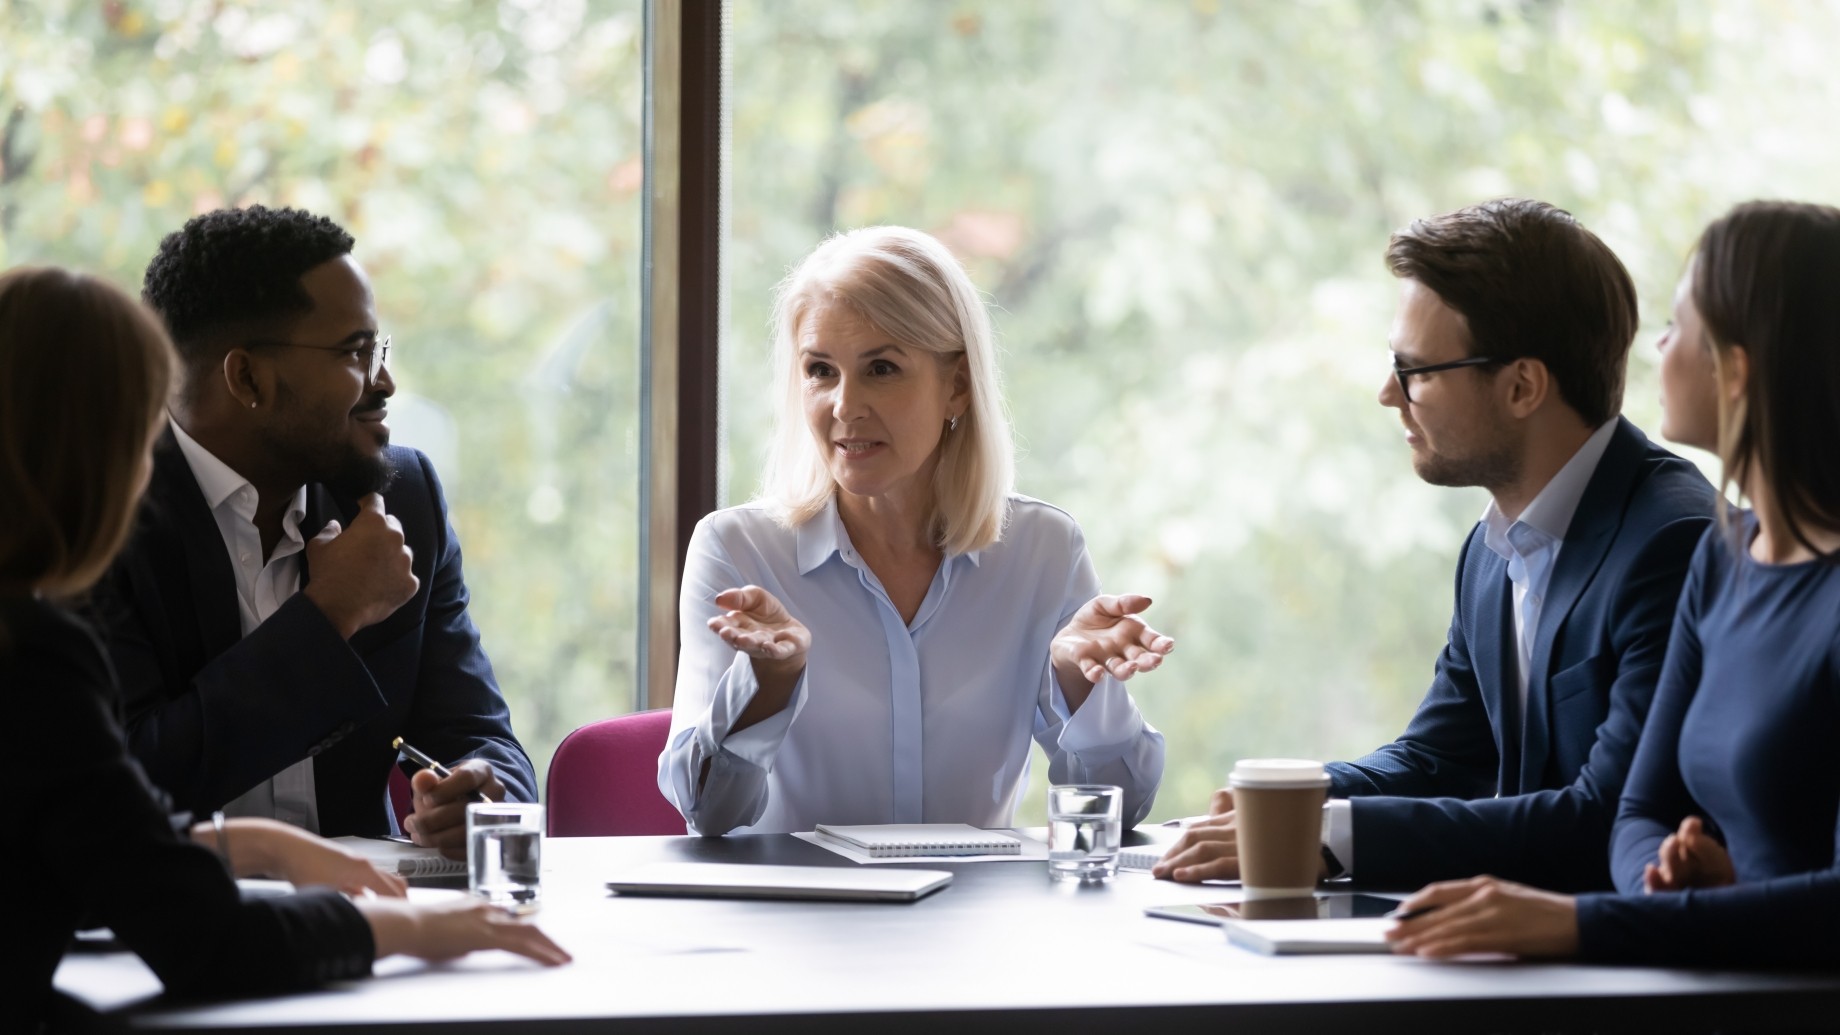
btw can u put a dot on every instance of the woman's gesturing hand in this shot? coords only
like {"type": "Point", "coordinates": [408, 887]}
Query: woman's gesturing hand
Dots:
{"type": "Point", "coordinates": [755, 623]}
{"type": "Point", "coordinates": [1689, 858]}
{"type": "Point", "coordinates": [448, 930]}
{"type": "Point", "coordinates": [1104, 636]}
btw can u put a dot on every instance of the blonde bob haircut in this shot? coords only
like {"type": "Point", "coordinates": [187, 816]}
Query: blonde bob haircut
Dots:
{"type": "Point", "coordinates": [908, 286]}
{"type": "Point", "coordinates": [84, 375]}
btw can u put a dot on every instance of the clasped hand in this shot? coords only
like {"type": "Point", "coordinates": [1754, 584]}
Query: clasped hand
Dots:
{"type": "Point", "coordinates": [1689, 858]}
{"type": "Point", "coordinates": [1105, 636]}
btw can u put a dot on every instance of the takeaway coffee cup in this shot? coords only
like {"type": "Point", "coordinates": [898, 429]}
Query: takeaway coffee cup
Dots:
{"type": "Point", "coordinates": [1278, 812]}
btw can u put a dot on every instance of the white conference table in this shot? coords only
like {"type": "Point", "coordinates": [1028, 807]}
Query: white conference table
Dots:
{"type": "Point", "coordinates": [1002, 948]}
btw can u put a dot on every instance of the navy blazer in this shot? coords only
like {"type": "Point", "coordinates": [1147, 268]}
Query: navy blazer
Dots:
{"type": "Point", "coordinates": [1424, 809]}
{"type": "Point", "coordinates": [211, 713]}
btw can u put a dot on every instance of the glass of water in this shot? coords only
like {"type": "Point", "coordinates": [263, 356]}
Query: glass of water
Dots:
{"type": "Point", "coordinates": [504, 853]}
{"type": "Point", "coordinates": [1085, 828]}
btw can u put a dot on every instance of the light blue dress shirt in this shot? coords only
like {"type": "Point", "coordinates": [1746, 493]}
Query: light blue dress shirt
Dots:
{"type": "Point", "coordinates": [892, 722]}
{"type": "Point", "coordinates": [1530, 543]}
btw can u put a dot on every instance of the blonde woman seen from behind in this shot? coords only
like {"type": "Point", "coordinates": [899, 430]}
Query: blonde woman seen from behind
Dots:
{"type": "Point", "coordinates": [888, 625]}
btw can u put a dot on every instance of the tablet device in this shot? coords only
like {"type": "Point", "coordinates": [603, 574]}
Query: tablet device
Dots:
{"type": "Point", "coordinates": [1315, 907]}
{"type": "Point", "coordinates": [802, 883]}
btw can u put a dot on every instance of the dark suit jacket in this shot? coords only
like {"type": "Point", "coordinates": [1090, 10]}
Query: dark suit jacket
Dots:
{"type": "Point", "coordinates": [102, 850]}
{"type": "Point", "coordinates": [211, 712]}
{"type": "Point", "coordinates": [1596, 657]}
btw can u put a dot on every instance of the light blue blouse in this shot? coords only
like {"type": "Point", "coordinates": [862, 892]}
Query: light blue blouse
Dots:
{"type": "Point", "coordinates": [927, 722]}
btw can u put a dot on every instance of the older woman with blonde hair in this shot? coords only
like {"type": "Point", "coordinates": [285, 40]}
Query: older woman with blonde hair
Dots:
{"type": "Point", "coordinates": [888, 624]}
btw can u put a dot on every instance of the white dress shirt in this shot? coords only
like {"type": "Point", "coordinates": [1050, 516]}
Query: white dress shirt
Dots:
{"type": "Point", "coordinates": [262, 586]}
{"type": "Point", "coordinates": [893, 722]}
{"type": "Point", "coordinates": [1530, 544]}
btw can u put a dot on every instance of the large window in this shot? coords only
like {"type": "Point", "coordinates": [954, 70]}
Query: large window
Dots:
{"type": "Point", "coordinates": [488, 158]}
{"type": "Point", "coordinates": [1179, 210]}
{"type": "Point", "coordinates": [1177, 206]}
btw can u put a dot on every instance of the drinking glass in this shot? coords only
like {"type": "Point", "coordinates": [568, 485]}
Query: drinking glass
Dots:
{"type": "Point", "coordinates": [1085, 828]}
{"type": "Point", "coordinates": [504, 853]}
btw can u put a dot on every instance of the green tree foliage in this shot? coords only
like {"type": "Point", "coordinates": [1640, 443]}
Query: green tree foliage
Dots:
{"type": "Point", "coordinates": [1178, 207]}
{"type": "Point", "coordinates": [488, 157]}
{"type": "Point", "coordinates": [1179, 210]}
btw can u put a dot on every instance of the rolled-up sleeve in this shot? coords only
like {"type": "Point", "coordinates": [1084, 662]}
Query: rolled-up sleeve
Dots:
{"type": "Point", "coordinates": [715, 684]}
{"type": "Point", "coordinates": [1107, 740]}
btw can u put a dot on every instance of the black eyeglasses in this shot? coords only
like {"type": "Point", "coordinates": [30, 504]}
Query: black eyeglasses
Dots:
{"type": "Point", "coordinates": [374, 353]}
{"type": "Point", "coordinates": [1404, 374]}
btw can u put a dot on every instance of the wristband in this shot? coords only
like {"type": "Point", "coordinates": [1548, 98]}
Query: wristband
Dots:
{"type": "Point", "coordinates": [223, 838]}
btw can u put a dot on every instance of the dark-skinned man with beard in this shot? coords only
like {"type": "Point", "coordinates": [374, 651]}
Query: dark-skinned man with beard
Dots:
{"type": "Point", "coordinates": [292, 599]}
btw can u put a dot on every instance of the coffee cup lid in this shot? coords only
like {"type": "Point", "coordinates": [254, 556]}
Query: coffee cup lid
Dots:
{"type": "Point", "coordinates": [1278, 772]}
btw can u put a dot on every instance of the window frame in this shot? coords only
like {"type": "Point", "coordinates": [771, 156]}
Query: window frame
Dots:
{"type": "Point", "coordinates": [686, 146]}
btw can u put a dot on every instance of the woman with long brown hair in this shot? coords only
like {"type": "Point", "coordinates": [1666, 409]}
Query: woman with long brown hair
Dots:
{"type": "Point", "coordinates": [1724, 850]}
{"type": "Point", "coordinates": [84, 375]}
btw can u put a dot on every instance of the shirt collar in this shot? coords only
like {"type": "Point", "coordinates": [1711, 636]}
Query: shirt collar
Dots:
{"type": "Point", "coordinates": [821, 537]}
{"type": "Point", "coordinates": [1552, 508]}
{"type": "Point", "coordinates": [219, 481]}
{"type": "Point", "coordinates": [824, 536]}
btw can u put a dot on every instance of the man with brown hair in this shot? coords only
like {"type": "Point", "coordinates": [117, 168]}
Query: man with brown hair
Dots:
{"type": "Point", "coordinates": [1509, 348]}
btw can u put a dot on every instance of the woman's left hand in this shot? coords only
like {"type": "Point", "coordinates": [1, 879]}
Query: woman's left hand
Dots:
{"type": "Point", "coordinates": [1487, 915]}
{"type": "Point", "coordinates": [1103, 636]}
{"type": "Point", "coordinates": [274, 848]}
{"type": "Point", "coordinates": [1689, 858]}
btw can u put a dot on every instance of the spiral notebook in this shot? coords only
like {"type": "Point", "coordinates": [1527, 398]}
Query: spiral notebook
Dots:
{"type": "Point", "coordinates": [893, 840]}
{"type": "Point", "coordinates": [1141, 857]}
{"type": "Point", "coordinates": [406, 860]}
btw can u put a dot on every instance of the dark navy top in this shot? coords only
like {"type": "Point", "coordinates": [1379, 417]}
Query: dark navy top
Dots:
{"type": "Point", "coordinates": [100, 850]}
{"type": "Point", "coordinates": [1741, 734]}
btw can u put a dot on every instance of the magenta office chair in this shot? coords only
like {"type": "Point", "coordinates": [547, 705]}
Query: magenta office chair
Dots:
{"type": "Point", "coordinates": [603, 779]}
{"type": "Point", "coordinates": [401, 802]}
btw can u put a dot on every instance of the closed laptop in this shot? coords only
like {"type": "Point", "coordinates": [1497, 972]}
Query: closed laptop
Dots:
{"type": "Point", "coordinates": [804, 883]}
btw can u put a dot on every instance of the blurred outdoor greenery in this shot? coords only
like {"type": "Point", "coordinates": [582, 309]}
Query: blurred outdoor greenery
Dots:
{"type": "Point", "coordinates": [1179, 210]}
{"type": "Point", "coordinates": [488, 158]}
{"type": "Point", "coordinates": [1177, 207]}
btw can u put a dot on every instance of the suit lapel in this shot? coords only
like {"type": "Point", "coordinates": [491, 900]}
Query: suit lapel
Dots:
{"type": "Point", "coordinates": [1487, 601]}
{"type": "Point", "coordinates": [185, 547]}
{"type": "Point", "coordinates": [1587, 540]}
{"type": "Point", "coordinates": [322, 507]}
